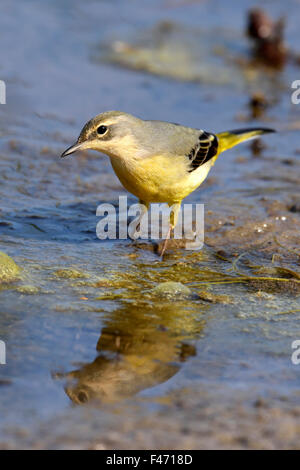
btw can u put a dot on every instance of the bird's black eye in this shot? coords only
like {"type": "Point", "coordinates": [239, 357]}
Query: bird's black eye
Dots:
{"type": "Point", "coordinates": [101, 130]}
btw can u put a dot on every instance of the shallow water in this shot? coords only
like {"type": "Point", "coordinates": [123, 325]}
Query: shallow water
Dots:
{"type": "Point", "coordinates": [83, 324]}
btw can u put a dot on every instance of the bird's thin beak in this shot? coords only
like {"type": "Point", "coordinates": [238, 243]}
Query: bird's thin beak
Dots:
{"type": "Point", "coordinates": [72, 149]}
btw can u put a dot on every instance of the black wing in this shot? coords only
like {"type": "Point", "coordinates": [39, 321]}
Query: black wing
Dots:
{"type": "Point", "coordinates": [205, 149]}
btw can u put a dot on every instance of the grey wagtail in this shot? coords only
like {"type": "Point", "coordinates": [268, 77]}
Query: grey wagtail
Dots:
{"type": "Point", "coordinates": [157, 161]}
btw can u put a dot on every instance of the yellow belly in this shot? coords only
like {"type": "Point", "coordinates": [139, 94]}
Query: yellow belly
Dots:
{"type": "Point", "coordinates": [159, 178]}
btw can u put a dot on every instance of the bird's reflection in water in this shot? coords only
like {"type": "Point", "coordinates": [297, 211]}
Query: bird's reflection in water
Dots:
{"type": "Point", "coordinates": [140, 346]}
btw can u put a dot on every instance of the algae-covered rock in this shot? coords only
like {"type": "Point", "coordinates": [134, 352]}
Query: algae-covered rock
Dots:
{"type": "Point", "coordinates": [173, 51]}
{"type": "Point", "coordinates": [9, 270]}
{"type": "Point", "coordinates": [28, 290]}
{"type": "Point", "coordinates": [171, 288]}
{"type": "Point", "coordinates": [214, 298]}
{"type": "Point", "coordinates": [70, 273]}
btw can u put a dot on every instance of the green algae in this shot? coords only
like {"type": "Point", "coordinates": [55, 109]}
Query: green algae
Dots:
{"type": "Point", "coordinates": [9, 270]}
{"type": "Point", "coordinates": [215, 298]}
{"type": "Point", "coordinates": [28, 290]}
{"type": "Point", "coordinates": [70, 273]}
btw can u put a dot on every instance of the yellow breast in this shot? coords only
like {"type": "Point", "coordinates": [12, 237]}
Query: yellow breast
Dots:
{"type": "Point", "coordinates": [159, 178]}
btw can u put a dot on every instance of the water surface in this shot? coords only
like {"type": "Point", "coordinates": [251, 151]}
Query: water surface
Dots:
{"type": "Point", "coordinates": [83, 326]}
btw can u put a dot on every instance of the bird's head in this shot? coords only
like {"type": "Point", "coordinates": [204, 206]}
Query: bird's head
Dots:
{"type": "Point", "coordinates": [112, 133]}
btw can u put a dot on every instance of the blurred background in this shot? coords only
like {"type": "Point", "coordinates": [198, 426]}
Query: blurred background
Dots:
{"type": "Point", "coordinates": [203, 363]}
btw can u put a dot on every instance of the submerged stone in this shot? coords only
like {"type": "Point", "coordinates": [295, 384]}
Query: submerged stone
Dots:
{"type": "Point", "coordinates": [170, 288]}
{"type": "Point", "coordinates": [9, 270]}
{"type": "Point", "coordinates": [70, 273]}
{"type": "Point", "coordinates": [28, 290]}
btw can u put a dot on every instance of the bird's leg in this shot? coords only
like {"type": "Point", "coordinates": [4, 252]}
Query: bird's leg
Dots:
{"type": "Point", "coordinates": [166, 241]}
{"type": "Point", "coordinates": [173, 221]}
{"type": "Point", "coordinates": [143, 212]}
